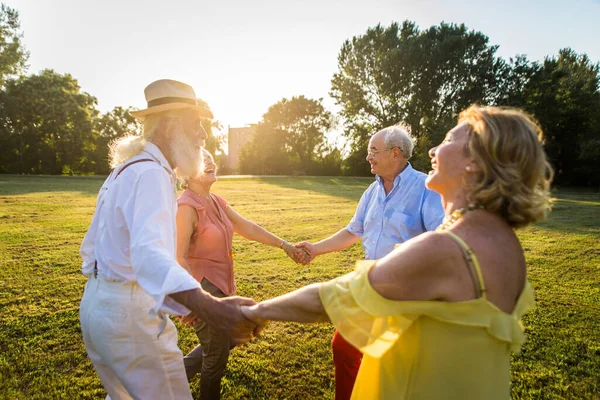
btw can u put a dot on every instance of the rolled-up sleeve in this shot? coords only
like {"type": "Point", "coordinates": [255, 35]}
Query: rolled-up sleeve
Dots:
{"type": "Point", "coordinates": [357, 223]}
{"type": "Point", "coordinates": [152, 242]}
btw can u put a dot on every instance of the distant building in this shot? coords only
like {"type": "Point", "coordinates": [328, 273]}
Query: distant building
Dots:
{"type": "Point", "coordinates": [236, 139]}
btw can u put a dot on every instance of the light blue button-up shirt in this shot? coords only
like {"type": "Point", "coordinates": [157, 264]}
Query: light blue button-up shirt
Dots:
{"type": "Point", "coordinates": [386, 220]}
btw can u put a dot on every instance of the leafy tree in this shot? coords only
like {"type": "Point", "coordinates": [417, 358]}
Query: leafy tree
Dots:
{"type": "Point", "coordinates": [290, 139]}
{"type": "Point", "coordinates": [265, 153]}
{"type": "Point", "coordinates": [47, 125]}
{"type": "Point", "coordinates": [107, 127]}
{"type": "Point", "coordinates": [515, 82]}
{"type": "Point", "coordinates": [13, 55]}
{"type": "Point", "coordinates": [589, 157]}
{"type": "Point", "coordinates": [564, 96]}
{"type": "Point", "coordinates": [329, 162]}
{"type": "Point", "coordinates": [355, 163]}
{"type": "Point", "coordinates": [117, 123]}
{"type": "Point", "coordinates": [422, 78]}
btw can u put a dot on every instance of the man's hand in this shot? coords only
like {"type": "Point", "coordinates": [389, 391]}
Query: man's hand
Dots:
{"type": "Point", "coordinates": [297, 254]}
{"type": "Point", "coordinates": [226, 316]}
{"type": "Point", "coordinates": [310, 251]}
{"type": "Point", "coordinates": [222, 315]}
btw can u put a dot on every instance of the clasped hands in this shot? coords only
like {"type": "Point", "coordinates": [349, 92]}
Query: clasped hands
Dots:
{"type": "Point", "coordinates": [301, 253]}
{"type": "Point", "coordinates": [230, 316]}
{"type": "Point", "coordinates": [240, 317]}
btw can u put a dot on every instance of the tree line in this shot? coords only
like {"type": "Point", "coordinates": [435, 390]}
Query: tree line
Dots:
{"type": "Point", "coordinates": [48, 125]}
{"type": "Point", "coordinates": [392, 74]}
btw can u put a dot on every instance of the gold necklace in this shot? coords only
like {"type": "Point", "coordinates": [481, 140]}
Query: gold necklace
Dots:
{"type": "Point", "coordinates": [455, 216]}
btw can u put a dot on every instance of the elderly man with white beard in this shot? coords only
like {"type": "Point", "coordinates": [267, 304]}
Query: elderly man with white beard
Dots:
{"type": "Point", "coordinates": [134, 280]}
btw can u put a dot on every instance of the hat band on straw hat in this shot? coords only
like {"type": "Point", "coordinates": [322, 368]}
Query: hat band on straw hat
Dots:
{"type": "Point", "coordinates": [168, 100]}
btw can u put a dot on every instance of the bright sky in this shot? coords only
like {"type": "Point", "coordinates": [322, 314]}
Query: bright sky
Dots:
{"type": "Point", "coordinates": [241, 56]}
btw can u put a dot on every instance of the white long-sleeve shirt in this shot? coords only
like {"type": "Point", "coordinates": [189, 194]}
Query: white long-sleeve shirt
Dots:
{"type": "Point", "coordinates": [133, 233]}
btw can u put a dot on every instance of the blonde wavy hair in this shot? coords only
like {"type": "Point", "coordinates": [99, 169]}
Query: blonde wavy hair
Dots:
{"type": "Point", "coordinates": [515, 176]}
{"type": "Point", "coordinates": [126, 147]}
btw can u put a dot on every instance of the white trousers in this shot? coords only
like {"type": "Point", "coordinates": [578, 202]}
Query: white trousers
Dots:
{"type": "Point", "coordinates": [135, 355]}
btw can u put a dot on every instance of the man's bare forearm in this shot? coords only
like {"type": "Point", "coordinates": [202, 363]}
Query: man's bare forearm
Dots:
{"type": "Point", "coordinates": [196, 300]}
{"type": "Point", "coordinates": [222, 314]}
{"type": "Point", "coordinates": [339, 241]}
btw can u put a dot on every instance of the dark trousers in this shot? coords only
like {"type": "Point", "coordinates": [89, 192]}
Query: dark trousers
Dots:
{"type": "Point", "coordinates": [210, 357]}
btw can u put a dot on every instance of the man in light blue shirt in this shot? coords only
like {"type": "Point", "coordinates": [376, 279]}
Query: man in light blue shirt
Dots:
{"type": "Point", "coordinates": [395, 208]}
{"type": "Point", "coordinates": [386, 217]}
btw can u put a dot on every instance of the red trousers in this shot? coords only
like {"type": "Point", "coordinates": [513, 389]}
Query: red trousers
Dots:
{"type": "Point", "coordinates": [346, 360]}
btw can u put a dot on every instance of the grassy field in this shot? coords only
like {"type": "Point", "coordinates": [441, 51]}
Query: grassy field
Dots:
{"type": "Point", "coordinates": [43, 219]}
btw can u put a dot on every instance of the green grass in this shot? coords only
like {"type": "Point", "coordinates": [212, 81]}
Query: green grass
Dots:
{"type": "Point", "coordinates": [43, 219]}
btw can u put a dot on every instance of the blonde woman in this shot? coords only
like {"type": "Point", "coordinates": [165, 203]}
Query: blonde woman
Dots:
{"type": "Point", "coordinates": [438, 317]}
{"type": "Point", "coordinates": [205, 227]}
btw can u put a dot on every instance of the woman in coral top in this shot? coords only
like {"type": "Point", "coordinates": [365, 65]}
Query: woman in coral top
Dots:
{"type": "Point", "coordinates": [205, 227]}
{"type": "Point", "coordinates": [437, 318]}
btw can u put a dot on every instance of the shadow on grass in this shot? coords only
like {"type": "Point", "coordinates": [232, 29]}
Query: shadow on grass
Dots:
{"type": "Point", "coordinates": [346, 187]}
{"type": "Point", "coordinates": [574, 213]}
{"type": "Point", "coordinates": [26, 184]}
{"type": "Point", "coordinates": [574, 210]}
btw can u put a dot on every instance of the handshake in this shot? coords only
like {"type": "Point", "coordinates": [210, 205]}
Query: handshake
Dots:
{"type": "Point", "coordinates": [236, 317]}
{"type": "Point", "coordinates": [301, 253]}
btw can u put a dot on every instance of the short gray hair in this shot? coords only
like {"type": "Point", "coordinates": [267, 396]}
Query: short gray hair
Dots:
{"type": "Point", "coordinates": [398, 136]}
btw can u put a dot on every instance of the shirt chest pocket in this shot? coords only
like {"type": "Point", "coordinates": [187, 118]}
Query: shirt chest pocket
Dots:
{"type": "Point", "coordinates": [401, 226]}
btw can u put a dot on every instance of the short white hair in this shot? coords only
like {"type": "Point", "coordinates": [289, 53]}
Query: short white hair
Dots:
{"type": "Point", "coordinates": [398, 136]}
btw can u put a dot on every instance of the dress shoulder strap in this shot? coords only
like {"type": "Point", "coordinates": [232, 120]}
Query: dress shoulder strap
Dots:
{"type": "Point", "coordinates": [472, 263]}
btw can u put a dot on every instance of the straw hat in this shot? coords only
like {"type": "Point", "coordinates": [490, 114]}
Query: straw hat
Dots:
{"type": "Point", "coordinates": [166, 94]}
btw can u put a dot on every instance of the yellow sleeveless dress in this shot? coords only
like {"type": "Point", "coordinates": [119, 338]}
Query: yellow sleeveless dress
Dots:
{"type": "Point", "coordinates": [426, 349]}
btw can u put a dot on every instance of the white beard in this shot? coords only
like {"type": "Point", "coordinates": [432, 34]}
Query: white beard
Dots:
{"type": "Point", "coordinates": [187, 156]}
